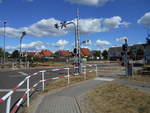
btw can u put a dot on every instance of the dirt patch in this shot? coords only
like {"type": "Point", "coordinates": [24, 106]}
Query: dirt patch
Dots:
{"type": "Point", "coordinates": [116, 98]}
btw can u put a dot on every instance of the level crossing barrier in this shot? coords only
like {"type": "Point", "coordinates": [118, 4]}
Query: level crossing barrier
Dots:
{"type": "Point", "coordinates": [7, 97]}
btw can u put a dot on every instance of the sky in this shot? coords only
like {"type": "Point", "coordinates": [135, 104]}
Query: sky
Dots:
{"type": "Point", "coordinates": [104, 22]}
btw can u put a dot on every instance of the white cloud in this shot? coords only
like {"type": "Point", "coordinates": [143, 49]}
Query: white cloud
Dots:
{"type": "Point", "coordinates": [90, 2]}
{"type": "Point", "coordinates": [45, 27]}
{"type": "Point", "coordinates": [102, 43]}
{"type": "Point", "coordinates": [33, 46]}
{"type": "Point", "coordinates": [10, 48]}
{"type": "Point", "coordinates": [145, 20]}
{"type": "Point", "coordinates": [93, 25]}
{"type": "Point", "coordinates": [114, 22]}
{"type": "Point", "coordinates": [42, 28]}
{"type": "Point", "coordinates": [60, 43]}
{"type": "Point", "coordinates": [121, 39]}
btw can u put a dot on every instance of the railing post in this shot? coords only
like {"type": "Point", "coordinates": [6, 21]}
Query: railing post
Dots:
{"type": "Point", "coordinates": [96, 70]}
{"type": "Point", "coordinates": [28, 93]}
{"type": "Point", "coordinates": [13, 65]}
{"type": "Point", "coordinates": [68, 76]}
{"type": "Point", "coordinates": [85, 72]}
{"type": "Point", "coordinates": [43, 84]}
{"type": "Point", "coordinates": [8, 104]}
{"type": "Point", "coordinates": [28, 64]}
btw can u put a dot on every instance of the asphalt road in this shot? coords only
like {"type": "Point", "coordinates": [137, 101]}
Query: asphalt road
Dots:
{"type": "Point", "coordinates": [9, 79]}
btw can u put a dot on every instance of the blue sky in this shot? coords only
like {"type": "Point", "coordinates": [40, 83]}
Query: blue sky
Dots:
{"type": "Point", "coordinates": [104, 22]}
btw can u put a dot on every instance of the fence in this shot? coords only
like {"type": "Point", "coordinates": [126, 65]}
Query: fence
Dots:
{"type": "Point", "coordinates": [7, 97]}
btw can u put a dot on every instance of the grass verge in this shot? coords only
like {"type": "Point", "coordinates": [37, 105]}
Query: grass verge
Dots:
{"type": "Point", "coordinates": [137, 78]}
{"type": "Point", "coordinates": [63, 82]}
{"type": "Point", "coordinates": [116, 98]}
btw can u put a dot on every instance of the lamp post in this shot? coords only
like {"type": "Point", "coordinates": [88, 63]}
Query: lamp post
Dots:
{"type": "Point", "coordinates": [77, 60]}
{"type": "Point", "coordinates": [4, 25]}
{"type": "Point", "coordinates": [23, 34]}
{"type": "Point", "coordinates": [64, 24]}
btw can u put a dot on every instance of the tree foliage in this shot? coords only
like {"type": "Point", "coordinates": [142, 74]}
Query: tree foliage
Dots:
{"type": "Point", "coordinates": [15, 54]}
{"type": "Point", "coordinates": [97, 53]}
{"type": "Point", "coordinates": [105, 54]}
{"type": "Point", "coordinates": [148, 40]}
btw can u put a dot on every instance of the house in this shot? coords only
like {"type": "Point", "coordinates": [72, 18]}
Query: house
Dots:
{"type": "Point", "coordinates": [137, 51]}
{"type": "Point", "coordinates": [62, 53]}
{"type": "Point", "coordinates": [114, 53]}
{"type": "Point", "coordinates": [45, 54]}
{"type": "Point", "coordinates": [85, 52]}
{"type": "Point", "coordinates": [147, 53]}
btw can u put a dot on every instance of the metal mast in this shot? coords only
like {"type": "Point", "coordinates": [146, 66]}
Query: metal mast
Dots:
{"type": "Point", "coordinates": [78, 40]}
{"type": "Point", "coordinates": [4, 56]}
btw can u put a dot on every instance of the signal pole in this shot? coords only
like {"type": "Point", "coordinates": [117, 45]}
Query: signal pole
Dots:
{"type": "Point", "coordinates": [78, 42]}
{"type": "Point", "coordinates": [125, 49]}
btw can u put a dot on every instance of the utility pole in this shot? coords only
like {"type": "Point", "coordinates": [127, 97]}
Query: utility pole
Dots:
{"type": "Point", "coordinates": [77, 58]}
{"type": "Point", "coordinates": [4, 56]}
{"type": "Point", "coordinates": [78, 42]}
{"type": "Point", "coordinates": [22, 35]}
{"type": "Point", "coordinates": [125, 49]}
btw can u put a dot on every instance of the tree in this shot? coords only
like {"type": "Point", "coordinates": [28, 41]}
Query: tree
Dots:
{"type": "Point", "coordinates": [15, 54]}
{"type": "Point", "coordinates": [97, 53]}
{"type": "Point", "coordinates": [148, 40]}
{"type": "Point", "coordinates": [105, 54]}
{"type": "Point", "coordinates": [140, 52]}
{"type": "Point", "coordinates": [1, 52]}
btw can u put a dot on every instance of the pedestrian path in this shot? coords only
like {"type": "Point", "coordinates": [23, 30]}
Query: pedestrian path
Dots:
{"type": "Point", "coordinates": [66, 101]}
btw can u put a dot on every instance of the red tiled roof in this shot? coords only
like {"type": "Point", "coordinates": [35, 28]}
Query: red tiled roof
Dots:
{"type": "Point", "coordinates": [46, 53]}
{"type": "Point", "coordinates": [63, 53]}
{"type": "Point", "coordinates": [85, 52]}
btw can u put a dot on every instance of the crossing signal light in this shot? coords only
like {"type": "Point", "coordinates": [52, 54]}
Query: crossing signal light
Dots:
{"type": "Point", "coordinates": [124, 47]}
{"type": "Point", "coordinates": [75, 50]}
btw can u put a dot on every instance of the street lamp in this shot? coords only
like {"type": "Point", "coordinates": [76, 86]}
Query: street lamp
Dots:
{"type": "Point", "coordinates": [22, 35]}
{"type": "Point", "coordinates": [64, 24]}
{"type": "Point", "coordinates": [77, 60]}
{"type": "Point", "coordinates": [4, 25]}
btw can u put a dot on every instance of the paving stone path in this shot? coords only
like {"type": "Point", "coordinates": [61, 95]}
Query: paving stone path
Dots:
{"type": "Point", "coordinates": [66, 101]}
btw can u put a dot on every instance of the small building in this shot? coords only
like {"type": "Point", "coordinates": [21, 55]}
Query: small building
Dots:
{"type": "Point", "coordinates": [85, 52]}
{"type": "Point", "coordinates": [45, 54]}
{"type": "Point", "coordinates": [62, 53]}
{"type": "Point", "coordinates": [137, 51]}
{"type": "Point", "coordinates": [114, 53]}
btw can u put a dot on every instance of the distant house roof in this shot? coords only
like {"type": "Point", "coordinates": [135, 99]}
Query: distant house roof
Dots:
{"type": "Point", "coordinates": [31, 53]}
{"type": "Point", "coordinates": [115, 49]}
{"type": "Point", "coordinates": [46, 53]}
{"type": "Point", "coordinates": [86, 52]}
{"type": "Point", "coordinates": [62, 53]}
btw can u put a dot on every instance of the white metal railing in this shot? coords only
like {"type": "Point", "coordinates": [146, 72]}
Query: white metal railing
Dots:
{"type": "Point", "coordinates": [7, 97]}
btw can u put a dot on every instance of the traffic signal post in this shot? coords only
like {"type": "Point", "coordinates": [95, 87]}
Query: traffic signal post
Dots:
{"type": "Point", "coordinates": [125, 58]}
